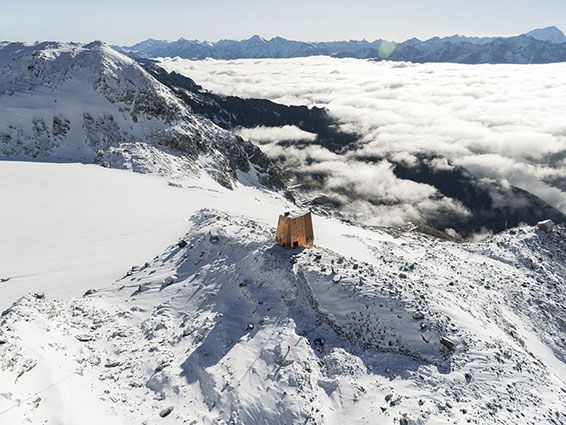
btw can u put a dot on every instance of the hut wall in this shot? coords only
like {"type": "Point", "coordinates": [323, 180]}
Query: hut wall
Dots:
{"type": "Point", "coordinates": [295, 230]}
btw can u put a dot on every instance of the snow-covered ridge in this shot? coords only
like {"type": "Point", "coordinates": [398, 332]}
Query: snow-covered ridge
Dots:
{"type": "Point", "coordinates": [224, 327]}
{"type": "Point", "coordinates": [545, 45]}
{"type": "Point", "coordinates": [89, 103]}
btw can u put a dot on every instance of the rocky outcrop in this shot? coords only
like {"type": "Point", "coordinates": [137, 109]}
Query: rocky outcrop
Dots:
{"type": "Point", "coordinates": [89, 103]}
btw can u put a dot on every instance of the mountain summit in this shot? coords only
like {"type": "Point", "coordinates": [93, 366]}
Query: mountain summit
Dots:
{"type": "Point", "coordinates": [89, 103]}
{"type": "Point", "coordinates": [551, 34]}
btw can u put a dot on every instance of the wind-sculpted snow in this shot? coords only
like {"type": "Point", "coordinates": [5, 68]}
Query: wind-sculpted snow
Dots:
{"type": "Point", "coordinates": [88, 103]}
{"type": "Point", "coordinates": [225, 327]}
{"type": "Point", "coordinates": [498, 122]}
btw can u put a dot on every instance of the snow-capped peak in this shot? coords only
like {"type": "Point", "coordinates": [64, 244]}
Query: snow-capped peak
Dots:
{"type": "Point", "coordinates": [552, 34]}
{"type": "Point", "coordinates": [257, 39]}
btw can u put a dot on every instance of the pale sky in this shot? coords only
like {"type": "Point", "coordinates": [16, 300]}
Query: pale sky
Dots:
{"type": "Point", "coordinates": [130, 21]}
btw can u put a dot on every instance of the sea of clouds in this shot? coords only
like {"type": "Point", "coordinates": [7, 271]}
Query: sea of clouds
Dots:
{"type": "Point", "coordinates": [503, 122]}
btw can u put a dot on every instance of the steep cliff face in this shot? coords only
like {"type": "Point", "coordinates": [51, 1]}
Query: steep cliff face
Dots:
{"type": "Point", "coordinates": [89, 103]}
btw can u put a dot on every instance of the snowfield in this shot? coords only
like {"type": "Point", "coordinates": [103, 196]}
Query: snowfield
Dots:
{"type": "Point", "coordinates": [70, 227]}
{"type": "Point", "coordinates": [221, 326]}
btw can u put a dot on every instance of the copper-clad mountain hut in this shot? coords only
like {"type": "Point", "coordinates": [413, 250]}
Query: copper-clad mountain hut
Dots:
{"type": "Point", "coordinates": [295, 231]}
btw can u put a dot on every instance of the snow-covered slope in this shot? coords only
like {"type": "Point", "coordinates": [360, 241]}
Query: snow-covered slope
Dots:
{"type": "Point", "coordinates": [89, 103]}
{"type": "Point", "coordinates": [225, 327]}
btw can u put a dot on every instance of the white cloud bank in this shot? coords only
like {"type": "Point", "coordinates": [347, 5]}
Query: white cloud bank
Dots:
{"type": "Point", "coordinates": [499, 121]}
{"type": "Point", "coordinates": [288, 133]}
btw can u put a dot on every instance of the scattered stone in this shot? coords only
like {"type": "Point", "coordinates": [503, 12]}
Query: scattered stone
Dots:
{"type": "Point", "coordinates": [403, 421]}
{"type": "Point", "coordinates": [112, 363]}
{"type": "Point", "coordinates": [182, 243]}
{"type": "Point", "coordinates": [94, 360]}
{"type": "Point", "coordinates": [418, 315]}
{"type": "Point", "coordinates": [468, 377]}
{"type": "Point", "coordinates": [84, 337]}
{"type": "Point", "coordinates": [395, 401]}
{"type": "Point", "coordinates": [447, 342]}
{"type": "Point", "coordinates": [89, 292]}
{"type": "Point", "coordinates": [4, 279]}
{"type": "Point", "coordinates": [402, 275]}
{"type": "Point", "coordinates": [166, 412]}
{"type": "Point", "coordinates": [120, 334]}
{"type": "Point", "coordinates": [26, 367]}
{"type": "Point", "coordinates": [250, 327]}
{"type": "Point", "coordinates": [168, 282]}
{"type": "Point", "coordinates": [35, 402]}
{"type": "Point", "coordinates": [39, 295]}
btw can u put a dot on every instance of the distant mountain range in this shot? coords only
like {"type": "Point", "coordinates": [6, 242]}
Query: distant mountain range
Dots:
{"type": "Point", "coordinates": [545, 45]}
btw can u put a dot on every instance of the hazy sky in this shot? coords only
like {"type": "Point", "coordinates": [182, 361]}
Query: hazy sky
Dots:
{"type": "Point", "coordinates": [127, 21]}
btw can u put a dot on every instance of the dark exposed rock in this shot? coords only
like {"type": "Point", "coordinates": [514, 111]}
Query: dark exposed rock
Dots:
{"type": "Point", "coordinates": [89, 292]}
{"type": "Point", "coordinates": [60, 126]}
{"type": "Point", "coordinates": [417, 315]}
{"type": "Point", "coordinates": [318, 344]}
{"type": "Point", "coordinates": [84, 337]}
{"type": "Point", "coordinates": [166, 412]}
{"type": "Point", "coordinates": [447, 342]}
